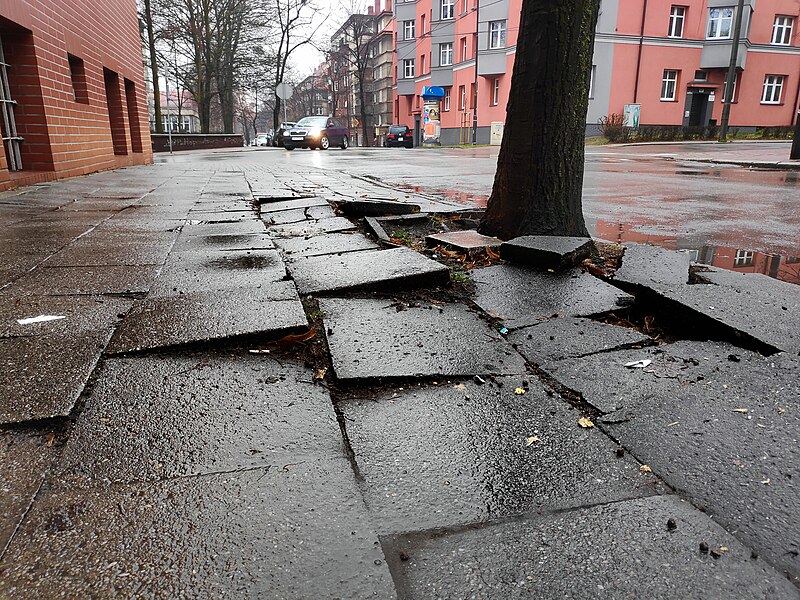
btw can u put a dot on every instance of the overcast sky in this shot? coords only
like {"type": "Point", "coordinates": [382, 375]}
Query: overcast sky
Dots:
{"type": "Point", "coordinates": [306, 58]}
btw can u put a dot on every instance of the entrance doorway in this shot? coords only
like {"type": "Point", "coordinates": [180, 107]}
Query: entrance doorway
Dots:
{"type": "Point", "coordinates": [698, 110]}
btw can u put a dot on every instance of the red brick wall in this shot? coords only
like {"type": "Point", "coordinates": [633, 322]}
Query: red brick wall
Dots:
{"type": "Point", "coordinates": [74, 137]}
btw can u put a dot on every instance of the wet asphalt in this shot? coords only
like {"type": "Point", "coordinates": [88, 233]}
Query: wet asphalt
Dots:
{"type": "Point", "coordinates": [172, 433]}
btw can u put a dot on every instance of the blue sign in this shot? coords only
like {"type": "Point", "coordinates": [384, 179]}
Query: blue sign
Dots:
{"type": "Point", "coordinates": [432, 92]}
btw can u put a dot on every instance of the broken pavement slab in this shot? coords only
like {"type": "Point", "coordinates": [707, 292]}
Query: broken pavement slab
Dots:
{"type": "Point", "coordinates": [463, 452]}
{"type": "Point", "coordinates": [200, 227]}
{"type": "Point", "coordinates": [367, 207]}
{"type": "Point", "coordinates": [214, 243]}
{"type": "Point", "coordinates": [547, 252]}
{"type": "Point", "coordinates": [372, 339]}
{"type": "Point", "coordinates": [521, 297]}
{"type": "Point", "coordinates": [309, 228]}
{"type": "Point", "coordinates": [647, 265]}
{"type": "Point", "coordinates": [271, 311]}
{"type": "Point", "coordinates": [616, 550]}
{"type": "Point", "coordinates": [469, 241]}
{"type": "Point", "coordinates": [319, 245]}
{"type": "Point", "coordinates": [300, 203]}
{"type": "Point", "coordinates": [375, 270]}
{"type": "Point", "coordinates": [269, 532]}
{"type": "Point", "coordinates": [573, 337]}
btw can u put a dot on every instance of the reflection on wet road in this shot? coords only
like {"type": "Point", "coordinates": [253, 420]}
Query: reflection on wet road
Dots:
{"type": "Point", "coordinates": [736, 218]}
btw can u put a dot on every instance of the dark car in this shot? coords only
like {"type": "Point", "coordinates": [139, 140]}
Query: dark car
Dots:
{"type": "Point", "coordinates": [400, 135]}
{"type": "Point", "coordinates": [277, 138]}
{"type": "Point", "coordinates": [317, 132]}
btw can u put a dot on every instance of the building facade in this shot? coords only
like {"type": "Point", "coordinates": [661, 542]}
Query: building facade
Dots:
{"type": "Point", "coordinates": [669, 57]}
{"type": "Point", "coordinates": [74, 98]}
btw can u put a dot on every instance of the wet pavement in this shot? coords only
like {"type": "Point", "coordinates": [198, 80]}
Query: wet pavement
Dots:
{"type": "Point", "coordinates": [191, 413]}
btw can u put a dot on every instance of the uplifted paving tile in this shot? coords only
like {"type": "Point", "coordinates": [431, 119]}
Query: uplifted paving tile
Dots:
{"type": "Point", "coordinates": [522, 297]}
{"type": "Point", "coordinates": [318, 245]}
{"type": "Point", "coordinates": [371, 339]}
{"type": "Point", "coordinates": [270, 533]}
{"type": "Point", "coordinates": [546, 251]}
{"type": "Point", "coordinates": [367, 270]}
{"type": "Point", "coordinates": [647, 265]}
{"type": "Point", "coordinates": [461, 453]}
{"type": "Point", "coordinates": [618, 550]}
{"type": "Point", "coordinates": [297, 203]}
{"type": "Point", "coordinates": [312, 227]}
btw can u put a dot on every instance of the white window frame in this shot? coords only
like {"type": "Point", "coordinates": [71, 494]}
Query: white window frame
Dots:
{"type": "Point", "coordinates": [718, 19]}
{"type": "Point", "coordinates": [446, 100]}
{"type": "Point", "coordinates": [464, 55]}
{"type": "Point", "coordinates": [677, 19]}
{"type": "Point", "coordinates": [462, 99]}
{"type": "Point", "coordinates": [772, 92]}
{"type": "Point", "coordinates": [743, 258]}
{"type": "Point", "coordinates": [448, 10]}
{"type": "Point", "coordinates": [497, 34]}
{"type": "Point", "coordinates": [725, 88]}
{"type": "Point", "coordinates": [782, 30]}
{"type": "Point", "coordinates": [446, 54]}
{"type": "Point", "coordinates": [669, 85]}
{"type": "Point", "coordinates": [496, 91]}
{"type": "Point", "coordinates": [409, 68]}
{"type": "Point", "coordinates": [409, 30]}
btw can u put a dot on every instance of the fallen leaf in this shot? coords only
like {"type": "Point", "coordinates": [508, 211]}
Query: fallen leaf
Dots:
{"type": "Point", "coordinates": [319, 374]}
{"type": "Point", "coordinates": [645, 469]}
{"type": "Point", "coordinates": [723, 548]}
{"type": "Point", "coordinates": [492, 254]}
{"type": "Point", "coordinates": [744, 411]}
{"type": "Point", "coordinates": [781, 411]}
{"type": "Point", "coordinates": [298, 338]}
{"type": "Point", "coordinates": [532, 440]}
{"type": "Point", "coordinates": [519, 391]}
{"type": "Point", "coordinates": [585, 422]}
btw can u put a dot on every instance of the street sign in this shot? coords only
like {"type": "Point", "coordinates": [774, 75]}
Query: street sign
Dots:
{"type": "Point", "coordinates": [284, 91]}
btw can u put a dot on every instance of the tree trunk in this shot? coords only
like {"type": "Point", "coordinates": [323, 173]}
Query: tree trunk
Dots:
{"type": "Point", "coordinates": [151, 48]}
{"type": "Point", "coordinates": [795, 153]}
{"type": "Point", "coordinates": [539, 179]}
{"type": "Point", "coordinates": [276, 113]}
{"type": "Point", "coordinates": [363, 115]}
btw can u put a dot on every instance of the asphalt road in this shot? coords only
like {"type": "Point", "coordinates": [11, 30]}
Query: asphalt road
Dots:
{"type": "Point", "coordinates": [665, 194]}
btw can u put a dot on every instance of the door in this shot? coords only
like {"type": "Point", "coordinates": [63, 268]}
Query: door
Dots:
{"type": "Point", "coordinates": [697, 111]}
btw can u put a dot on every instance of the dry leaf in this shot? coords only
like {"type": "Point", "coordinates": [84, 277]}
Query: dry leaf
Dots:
{"type": "Point", "coordinates": [459, 386]}
{"type": "Point", "coordinates": [532, 440]}
{"type": "Point", "coordinates": [298, 338]}
{"type": "Point", "coordinates": [585, 422]}
{"type": "Point", "coordinates": [744, 411]}
{"type": "Point", "coordinates": [645, 469]}
{"type": "Point", "coordinates": [319, 374]}
{"type": "Point", "coordinates": [519, 391]}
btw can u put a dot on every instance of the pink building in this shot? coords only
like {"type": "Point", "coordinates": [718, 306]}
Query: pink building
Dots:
{"type": "Point", "coordinates": [669, 57]}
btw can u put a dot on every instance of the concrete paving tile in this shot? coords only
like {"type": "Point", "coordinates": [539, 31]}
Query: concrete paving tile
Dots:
{"type": "Point", "coordinates": [295, 529]}
{"type": "Point", "coordinates": [546, 251]}
{"type": "Point", "coordinates": [222, 216]}
{"type": "Point", "coordinates": [272, 311]}
{"type": "Point", "coordinates": [213, 243]}
{"type": "Point", "coordinates": [367, 207]}
{"type": "Point", "coordinates": [81, 314]}
{"type": "Point", "coordinates": [42, 377]}
{"type": "Point", "coordinates": [312, 228]}
{"type": "Point", "coordinates": [645, 265]}
{"type": "Point", "coordinates": [199, 271]}
{"type": "Point", "coordinates": [284, 217]}
{"type": "Point", "coordinates": [298, 203]}
{"type": "Point", "coordinates": [522, 297]}
{"type": "Point", "coordinates": [120, 250]}
{"type": "Point", "coordinates": [371, 339]}
{"type": "Point", "coordinates": [318, 245]}
{"type": "Point", "coordinates": [25, 458]}
{"type": "Point", "coordinates": [460, 453]}
{"type": "Point", "coordinates": [618, 550]}
{"type": "Point", "coordinates": [86, 280]}
{"type": "Point", "coordinates": [173, 415]}
{"type": "Point", "coordinates": [200, 227]}
{"type": "Point", "coordinates": [572, 337]}
{"type": "Point", "coordinates": [398, 268]}
{"type": "Point", "coordinates": [466, 241]}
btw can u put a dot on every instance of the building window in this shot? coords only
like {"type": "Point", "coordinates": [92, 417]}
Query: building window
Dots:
{"type": "Point", "coordinates": [77, 74]}
{"type": "Point", "coordinates": [744, 258]}
{"type": "Point", "coordinates": [773, 89]}
{"type": "Point", "coordinates": [592, 75]}
{"type": "Point", "coordinates": [446, 101]}
{"type": "Point", "coordinates": [422, 25]}
{"type": "Point", "coordinates": [446, 54]}
{"type": "Point", "coordinates": [496, 92]}
{"type": "Point", "coordinates": [701, 75]}
{"type": "Point", "coordinates": [669, 85]}
{"type": "Point", "coordinates": [782, 30]}
{"type": "Point", "coordinates": [497, 34]}
{"type": "Point", "coordinates": [463, 49]}
{"type": "Point", "coordinates": [408, 68]}
{"type": "Point", "coordinates": [448, 9]}
{"type": "Point", "coordinates": [676, 18]}
{"type": "Point", "coordinates": [462, 97]}
{"type": "Point", "coordinates": [725, 89]}
{"type": "Point", "coordinates": [719, 23]}
{"type": "Point", "coordinates": [409, 30]}
{"type": "Point", "coordinates": [422, 64]}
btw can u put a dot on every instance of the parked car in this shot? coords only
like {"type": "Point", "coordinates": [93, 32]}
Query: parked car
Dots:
{"type": "Point", "coordinates": [277, 138]}
{"type": "Point", "coordinates": [262, 139]}
{"type": "Point", "coordinates": [317, 132]}
{"type": "Point", "coordinates": [399, 135]}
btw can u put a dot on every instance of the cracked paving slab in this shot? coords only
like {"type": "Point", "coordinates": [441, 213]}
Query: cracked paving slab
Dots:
{"type": "Point", "coordinates": [319, 245]}
{"type": "Point", "coordinates": [371, 339]}
{"type": "Point", "coordinates": [460, 453]}
{"type": "Point", "coordinates": [85, 280]}
{"type": "Point", "coordinates": [309, 228]}
{"type": "Point", "coordinates": [617, 550]}
{"type": "Point", "coordinates": [296, 530]}
{"type": "Point", "coordinates": [80, 314]}
{"type": "Point", "coordinates": [521, 297]}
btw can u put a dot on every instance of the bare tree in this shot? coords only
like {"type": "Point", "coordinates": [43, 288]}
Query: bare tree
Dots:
{"type": "Point", "coordinates": [538, 184]}
{"type": "Point", "coordinates": [149, 33]}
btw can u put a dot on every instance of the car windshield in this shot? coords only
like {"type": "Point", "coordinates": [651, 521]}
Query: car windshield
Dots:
{"type": "Point", "coordinates": [312, 122]}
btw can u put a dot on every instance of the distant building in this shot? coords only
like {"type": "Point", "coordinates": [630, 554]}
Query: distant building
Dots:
{"type": "Point", "coordinates": [669, 58]}
{"type": "Point", "coordinates": [77, 93]}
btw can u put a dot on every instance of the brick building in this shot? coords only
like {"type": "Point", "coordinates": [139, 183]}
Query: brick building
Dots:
{"type": "Point", "coordinates": [668, 56]}
{"type": "Point", "coordinates": [74, 98]}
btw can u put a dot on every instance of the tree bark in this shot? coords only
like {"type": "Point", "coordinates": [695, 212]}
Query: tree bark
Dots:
{"type": "Point", "coordinates": [538, 184]}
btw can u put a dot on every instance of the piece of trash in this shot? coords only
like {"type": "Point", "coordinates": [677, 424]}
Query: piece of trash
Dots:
{"type": "Point", "coordinates": [744, 411]}
{"type": "Point", "coordinates": [585, 422]}
{"type": "Point", "coordinates": [766, 481]}
{"type": "Point", "coordinates": [645, 469]}
{"type": "Point", "coordinates": [479, 380]}
{"type": "Point", "coordinates": [704, 547]}
{"type": "Point", "coordinates": [459, 386]}
{"type": "Point", "coordinates": [723, 548]}
{"type": "Point", "coordinates": [504, 331]}
{"type": "Point", "coordinates": [781, 411]}
{"type": "Point", "coordinates": [715, 554]}
{"type": "Point", "coordinates": [639, 364]}
{"type": "Point", "coordinates": [40, 319]}
{"type": "Point", "coordinates": [257, 351]}
{"type": "Point", "coordinates": [532, 440]}
{"type": "Point", "coordinates": [519, 391]}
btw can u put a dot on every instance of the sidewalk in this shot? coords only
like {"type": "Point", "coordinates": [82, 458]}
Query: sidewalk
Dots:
{"type": "Point", "coordinates": [244, 394]}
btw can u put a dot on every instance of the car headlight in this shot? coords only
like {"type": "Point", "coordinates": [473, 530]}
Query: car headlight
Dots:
{"type": "Point", "coordinates": [314, 132]}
